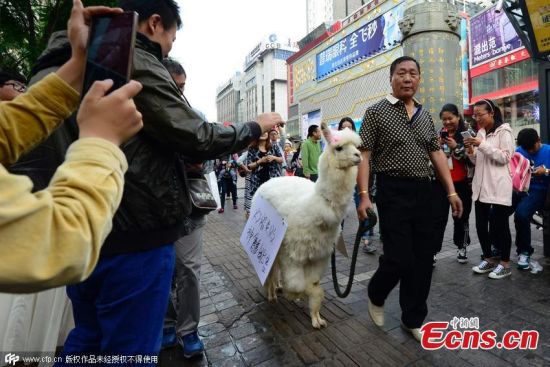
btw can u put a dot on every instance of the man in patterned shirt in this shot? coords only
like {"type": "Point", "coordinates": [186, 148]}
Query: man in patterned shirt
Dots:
{"type": "Point", "coordinates": [400, 137]}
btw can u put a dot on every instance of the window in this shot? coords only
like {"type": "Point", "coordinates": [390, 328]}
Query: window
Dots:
{"type": "Point", "coordinates": [508, 76]}
{"type": "Point", "coordinates": [282, 54]}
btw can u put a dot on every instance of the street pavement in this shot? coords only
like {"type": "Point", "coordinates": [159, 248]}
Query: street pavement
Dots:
{"type": "Point", "coordinates": [240, 327]}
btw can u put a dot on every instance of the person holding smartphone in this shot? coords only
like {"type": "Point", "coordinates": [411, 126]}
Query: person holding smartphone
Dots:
{"type": "Point", "coordinates": [156, 196]}
{"type": "Point", "coordinates": [452, 143]}
{"type": "Point", "coordinates": [490, 151]}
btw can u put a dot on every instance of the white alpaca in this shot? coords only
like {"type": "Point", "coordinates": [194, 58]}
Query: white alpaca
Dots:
{"type": "Point", "coordinates": [313, 212]}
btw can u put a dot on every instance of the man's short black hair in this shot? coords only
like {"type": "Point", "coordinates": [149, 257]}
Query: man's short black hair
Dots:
{"type": "Point", "coordinates": [6, 75]}
{"type": "Point", "coordinates": [527, 138]}
{"type": "Point", "coordinates": [173, 66]}
{"type": "Point", "coordinates": [401, 59]}
{"type": "Point", "coordinates": [167, 9]}
{"type": "Point", "coordinates": [311, 130]}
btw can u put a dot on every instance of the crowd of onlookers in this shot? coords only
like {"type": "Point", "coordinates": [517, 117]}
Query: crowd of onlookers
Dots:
{"type": "Point", "coordinates": [480, 159]}
{"type": "Point", "coordinates": [105, 210]}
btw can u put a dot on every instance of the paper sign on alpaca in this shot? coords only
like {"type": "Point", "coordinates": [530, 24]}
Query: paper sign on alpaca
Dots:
{"type": "Point", "coordinates": [262, 236]}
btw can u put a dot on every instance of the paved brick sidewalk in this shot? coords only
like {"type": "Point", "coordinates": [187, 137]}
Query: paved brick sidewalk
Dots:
{"type": "Point", "coordinates": [240, 328]}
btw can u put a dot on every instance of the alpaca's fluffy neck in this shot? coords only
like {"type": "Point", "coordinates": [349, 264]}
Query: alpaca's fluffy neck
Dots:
{"type": "Point", "coordinates": [335, 185]}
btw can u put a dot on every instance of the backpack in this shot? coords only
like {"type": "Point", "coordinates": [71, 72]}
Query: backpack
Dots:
{"type": "Point", "coordinates": [520, 170]}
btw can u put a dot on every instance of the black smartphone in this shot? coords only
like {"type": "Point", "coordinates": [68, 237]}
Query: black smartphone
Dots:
{"type": "Point", "coordinates": [110, 49]}
{"type": "Point", "coordinates": [444, 134]}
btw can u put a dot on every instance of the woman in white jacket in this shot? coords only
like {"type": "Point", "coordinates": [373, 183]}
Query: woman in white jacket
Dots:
{"type": "Point", "coordinates": [491, 151]}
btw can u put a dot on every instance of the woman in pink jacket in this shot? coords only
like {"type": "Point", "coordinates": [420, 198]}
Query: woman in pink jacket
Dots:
{"type": "Point", "coordinates": [491, 151]}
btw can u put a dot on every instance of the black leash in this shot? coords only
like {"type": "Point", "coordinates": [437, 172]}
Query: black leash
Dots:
{"type": "Point", "coordinates": [362, 229]}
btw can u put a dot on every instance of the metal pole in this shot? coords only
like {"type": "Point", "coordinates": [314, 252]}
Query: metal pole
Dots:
{"type": "Point", "coordinates": [544, 118]}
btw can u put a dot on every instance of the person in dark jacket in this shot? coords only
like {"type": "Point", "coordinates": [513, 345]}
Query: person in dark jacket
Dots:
{"type": "Point", "coordinates": [228, 181]}
{"type": "Point", "coordinates": [119, 309]}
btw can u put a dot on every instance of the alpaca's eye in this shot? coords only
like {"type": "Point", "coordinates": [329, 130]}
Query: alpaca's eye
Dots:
{"type": "Point", "coordinates": [339, 149]}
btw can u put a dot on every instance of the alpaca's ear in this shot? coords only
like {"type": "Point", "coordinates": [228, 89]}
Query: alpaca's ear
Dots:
{"type": "Point", "coordinates": [326, 132]}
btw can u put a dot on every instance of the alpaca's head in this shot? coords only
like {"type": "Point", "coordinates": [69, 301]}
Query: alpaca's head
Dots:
{"type": "Point", "coordinates": [341, 148]}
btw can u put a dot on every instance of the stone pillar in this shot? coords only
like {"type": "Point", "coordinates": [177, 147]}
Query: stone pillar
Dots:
{"type": "Point", "coordinates": [431, 34]}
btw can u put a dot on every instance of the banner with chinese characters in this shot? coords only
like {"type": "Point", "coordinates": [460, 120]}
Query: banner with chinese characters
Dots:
{"type": "Point", "coordinates": [500, 62]}
{"type": "Point", "coordinates": [379, 34]}
{"type": "Point", "coordinates": [491, 36]}
{"type": "Point", "coordinates": [262, 236]}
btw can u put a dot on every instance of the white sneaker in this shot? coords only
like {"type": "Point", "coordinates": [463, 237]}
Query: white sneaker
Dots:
{"type": "Point", "coordinates": [416, 333]}
{"type": "Point", "coordinates": [484, 267]}
{"type": "Point", "coordinates": [523, 261]}
{"type": "Point", "coordinates": [376, 313]}
{"type": "Point", "coordinates": [500, 272]}
{"type": "Point", "coordinates": [461, 255]}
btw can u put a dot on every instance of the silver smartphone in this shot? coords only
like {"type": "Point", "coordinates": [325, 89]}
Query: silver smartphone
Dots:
{"type": "Point", "coordinates": [466, 134]}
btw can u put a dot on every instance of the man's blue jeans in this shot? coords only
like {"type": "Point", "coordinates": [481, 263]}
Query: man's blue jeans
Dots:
{"type": "Point", "coordinates": [119, 309]}
{"type": "Point", "coordinates": [525, 206]}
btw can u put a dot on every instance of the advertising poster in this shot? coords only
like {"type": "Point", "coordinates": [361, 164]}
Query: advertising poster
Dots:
{"type": "Point", "coordinates": [491, 36]}
{"type": "Point", "coordinates": [380, 33]}
{"type": "Point", "coordinates": [539, 14]}
{"type": "Point", "coordinates": [308, 119]}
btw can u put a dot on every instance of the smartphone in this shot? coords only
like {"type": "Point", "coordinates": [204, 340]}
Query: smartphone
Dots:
{"type": "Point", "coordinates": [110, 49]}
{"type": "Point", "coordinates": [444, 134]}
{"type": "Point", "coordinates": [466, 134]}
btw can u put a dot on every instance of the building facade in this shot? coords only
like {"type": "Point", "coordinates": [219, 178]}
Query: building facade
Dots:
{"type": "Point", "coordinates": [344, 8]}
{"type": "Point", "coordinates": [262, 86]}
{"type": "Point", "coordinates": [318, 12]}
{"type": "Point", "coordinates": [229, 100]}
{"type": "Point", "coordinates": [349, 69]}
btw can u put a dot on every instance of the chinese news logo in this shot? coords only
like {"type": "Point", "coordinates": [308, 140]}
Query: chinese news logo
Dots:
{"type": "Point", "coordinates": [11, 359]}
{"type": "Point", "coordinates": [465, 334]}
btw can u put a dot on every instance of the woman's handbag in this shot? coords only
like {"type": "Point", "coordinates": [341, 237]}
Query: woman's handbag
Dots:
{"type": "Point", "coordinates": [201, 196]}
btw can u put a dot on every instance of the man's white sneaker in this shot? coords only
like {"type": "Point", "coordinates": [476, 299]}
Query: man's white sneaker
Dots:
{"type": "Point", "coordinates": [416, 333]}
{"type": "Point", "coordinates": [376, 313]}
{"type": "Point", "coordinates": [523, 261]}
{"type": "Point", "coordinates": [500, 272]}
{"type": "Point", "coordinates": [484, 267]}
{"type": "Point", "coordinates": [461, 255]}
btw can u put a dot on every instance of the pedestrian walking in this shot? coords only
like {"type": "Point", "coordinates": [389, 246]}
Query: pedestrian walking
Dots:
{"type": "Point", "coordinates": [399, 135]}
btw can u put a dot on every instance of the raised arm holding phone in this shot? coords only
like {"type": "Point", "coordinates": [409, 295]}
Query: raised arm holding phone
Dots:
{"type": "Point", "coordinates": [53, 237]}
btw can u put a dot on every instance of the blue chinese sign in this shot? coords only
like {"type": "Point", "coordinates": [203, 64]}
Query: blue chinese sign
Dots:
{"type": "Point", "coordinates": [380, 34]}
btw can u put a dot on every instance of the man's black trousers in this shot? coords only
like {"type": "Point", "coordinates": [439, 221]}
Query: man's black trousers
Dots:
{"type": "Point", "coordinates": [406, 230]}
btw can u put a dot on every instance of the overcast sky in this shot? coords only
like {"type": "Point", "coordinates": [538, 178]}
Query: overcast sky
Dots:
{"type": "Point", "coordinates": [218, 34]}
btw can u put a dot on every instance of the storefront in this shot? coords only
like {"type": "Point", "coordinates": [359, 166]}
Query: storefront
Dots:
{"type": "Point", "coordinates": [502, 70]}
{"type": "Point", "coordinates": [346, 70]}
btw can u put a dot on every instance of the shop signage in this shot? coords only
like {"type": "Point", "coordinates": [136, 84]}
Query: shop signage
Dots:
{"type": "Point", "coordinates": [491, 36]}
{"type": "Point", "coordinates": [380, 34]}
{"type": "Point", "coordinates": [538, 24]}
{"type": "Point", "coordinates": [502, 61]}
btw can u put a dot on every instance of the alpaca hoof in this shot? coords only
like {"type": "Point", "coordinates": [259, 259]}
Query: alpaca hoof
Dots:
{"type": "Point", "coordinates": [318, 323]}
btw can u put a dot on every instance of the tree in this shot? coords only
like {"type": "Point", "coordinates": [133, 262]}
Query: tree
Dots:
{"type": "Point", "coordinates": [26, 26]}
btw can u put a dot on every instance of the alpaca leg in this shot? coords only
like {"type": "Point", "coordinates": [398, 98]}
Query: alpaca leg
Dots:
{"type": "Point", "coordinates": [272, 282]}
{"type": "Point", "coordinates": [316, 295]}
